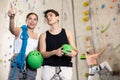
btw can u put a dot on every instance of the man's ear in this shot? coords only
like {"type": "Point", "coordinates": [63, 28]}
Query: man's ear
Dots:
{"type": "Point", "coordinates": [58, 18]}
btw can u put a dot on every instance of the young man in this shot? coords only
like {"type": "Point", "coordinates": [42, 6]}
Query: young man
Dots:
{"type": "Point", "coordinates": [51, 41]}
{"type": "Point", "coordinates": [17, 73]}
{"type": "Point", "coordinates": [92, 57]}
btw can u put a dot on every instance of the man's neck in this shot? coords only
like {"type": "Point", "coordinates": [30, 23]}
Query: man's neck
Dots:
{"type": "Point", "coordinates": [55, 29]}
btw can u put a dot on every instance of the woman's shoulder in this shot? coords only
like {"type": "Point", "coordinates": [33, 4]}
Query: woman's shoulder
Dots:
{"type": "Point", "coordinates": [18, 32]}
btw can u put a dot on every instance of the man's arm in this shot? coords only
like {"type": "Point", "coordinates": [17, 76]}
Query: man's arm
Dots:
{"type": "Point", "coordinates": [42, 48]}
{"type": "Point", "coordinates": [102, 51]}
{"type": "Point", "coordinates": [71, 40]}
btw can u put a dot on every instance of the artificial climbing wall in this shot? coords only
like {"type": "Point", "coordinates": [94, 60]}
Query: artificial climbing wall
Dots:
{"type": "Point", "coordinates": [97, 18]}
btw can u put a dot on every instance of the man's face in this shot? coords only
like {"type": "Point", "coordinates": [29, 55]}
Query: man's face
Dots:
{"type": "Point", "coordinates": [51, 18]}
{"type": "Point", "coordinates": [90, 51]}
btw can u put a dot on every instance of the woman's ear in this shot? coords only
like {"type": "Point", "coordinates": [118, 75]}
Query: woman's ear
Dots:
{"type": "Point", "coordinates": [26, 20]}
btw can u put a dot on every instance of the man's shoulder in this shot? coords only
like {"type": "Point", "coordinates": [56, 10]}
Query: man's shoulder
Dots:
{"type": "Point", "coordinates": [43, 34]}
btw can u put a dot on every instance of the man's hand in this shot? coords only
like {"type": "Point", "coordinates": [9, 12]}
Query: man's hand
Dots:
{"type": "Point", "coordinates": [58, 52]}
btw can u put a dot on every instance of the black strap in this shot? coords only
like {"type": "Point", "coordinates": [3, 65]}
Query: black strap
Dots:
{"type": "Point", "coordinates": [91, 74]}
{"type": "Point", "coordinates": [100, 67]}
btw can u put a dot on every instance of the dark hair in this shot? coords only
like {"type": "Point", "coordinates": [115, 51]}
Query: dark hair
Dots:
{"type": "Point", "coordinates": [32, 14]}
{"type": "Point", "coordinates": [87, 52]}
{"type": "Point", "coordinates": [51, 10]}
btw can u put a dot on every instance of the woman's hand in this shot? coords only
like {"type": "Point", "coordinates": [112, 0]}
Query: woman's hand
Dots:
{"type": "Point", "coordinates": [11, 12]}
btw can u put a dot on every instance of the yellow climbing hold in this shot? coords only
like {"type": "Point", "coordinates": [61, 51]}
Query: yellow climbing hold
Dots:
{"type": "Point", "coordinates": [102, 31]}
{"type": "Point", "coordinates": [85, 19]}
{"type": "Point", "coordinates": [0, 61]}
{"type": "Point", "coordinates": [85, 12]}
{"type": "Point", "coordinates": [85, 4]}
{"type": "Point", "coordinates": [88, 27]}
{"type": "Point", "coordinates": [86, 75]}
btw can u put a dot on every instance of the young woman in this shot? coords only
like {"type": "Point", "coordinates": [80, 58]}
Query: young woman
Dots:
{"type": "Point", "coordinates": [32, 44]}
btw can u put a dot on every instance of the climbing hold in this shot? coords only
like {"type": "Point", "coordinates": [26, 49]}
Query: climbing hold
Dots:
{"type": "Point", "coordinates": [88, 28]}
{"type": "Point", "coordinates": [85, 19]}
{"type": "Point", "coordinates": [114, 19]}
{"type": "Point", "coordinates": [113, 1]}
{"type": "Point", "coordinates": [83, 57]}
{"type": "Point", "coordinates": [102, 31]}
{"type": "Point", "coordinates": [104, 28]}
{"type": "Point", "coordinates": [0, 61]}
{"type": "Point", "coordinates": [85, 12]}
{"type": "Point", "coordinates": [111, 6]}
{"type": "Point", "coordinates": [102, 6]}
{"type": "Point", "coordinates": [85, 4]}
{"type": "Point", "coordinates": [106, 35]}
{"type": "Point", "coordinates": [86, 75]}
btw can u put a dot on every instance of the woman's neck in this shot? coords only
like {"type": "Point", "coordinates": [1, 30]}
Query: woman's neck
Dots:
{"type": "Point", "coordinates": [31, 30]}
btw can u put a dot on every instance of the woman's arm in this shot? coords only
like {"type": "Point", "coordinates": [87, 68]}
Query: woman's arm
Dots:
{"type": "Point", "coordinates": [14, 30]}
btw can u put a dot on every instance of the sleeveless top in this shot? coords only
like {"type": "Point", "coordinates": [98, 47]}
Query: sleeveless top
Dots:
{"type": "Point", "coordinates": [54, 42]}
{"type": "Point", "coordinates": [32, 44]}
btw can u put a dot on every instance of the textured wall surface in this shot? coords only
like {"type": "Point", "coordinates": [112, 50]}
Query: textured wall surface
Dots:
{"type": "Point", "coordinates": [97, 18]}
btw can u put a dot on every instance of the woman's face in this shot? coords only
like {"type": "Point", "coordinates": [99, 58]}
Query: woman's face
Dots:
{"type": "Point", "coordinates": [51, 18]}
{"type": "Point", "coordinates": [32, 21]}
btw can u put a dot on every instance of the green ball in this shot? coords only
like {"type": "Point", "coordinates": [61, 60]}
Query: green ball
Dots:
{"type": "Point", "coordinates": [67, 48]}
{"type": "Point", "coordinates": [34, 59]}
